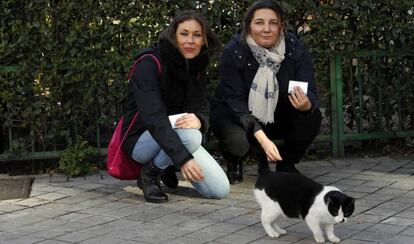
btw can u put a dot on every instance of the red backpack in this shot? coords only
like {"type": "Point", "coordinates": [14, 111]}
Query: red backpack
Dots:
{"type": "Point", "coordinates": [119, 164]}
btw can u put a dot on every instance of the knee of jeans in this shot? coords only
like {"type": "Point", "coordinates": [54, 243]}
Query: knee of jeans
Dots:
{"type": "Point", "coordinates": [221, 192]}
{"type": "Point", "coordinates": [191, 139]}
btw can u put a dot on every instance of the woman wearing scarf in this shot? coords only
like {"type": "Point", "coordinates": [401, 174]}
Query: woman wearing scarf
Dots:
{"type": "Point", "coordinates": [252, 105]}
{"type": "Point", "coordinates": [181, 90]}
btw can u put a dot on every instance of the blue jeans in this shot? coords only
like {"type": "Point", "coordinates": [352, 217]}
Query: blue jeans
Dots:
{"type": "Point", "coordinates": [215, 183]}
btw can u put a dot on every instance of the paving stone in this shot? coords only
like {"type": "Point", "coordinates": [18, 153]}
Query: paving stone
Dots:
{"type": "Point", "coordinates": [352, 182]}
{"type": "Point", "coordinates": [204, 236]}
{"type": "Point", "coordinates": [197, 224]}
{"type": "Point", "coordinates": [404, 185]}
{"type": "Point", "coordinates": [379, 210]}
{"type": "Point", "coordinates": [351, 241]}
{"type": "Point", "coordinates": [71, 191]}
{"type": "Point", "coordinates": [400, 240]}
{"type": "Point", "coordinates": [28, 220]}
{"type": "Point", "coordinates": [72, 217]}
{"type": "Point", "coordinates": [7, 207]}
{"type": "Point", "coordinates": [371, 218]}
{"type": "Point", "coordinates": [89, 186]}
{"type": "Point", "coordinates": [4, 236]}
{"type": "Point", "coordinates": [96, 220]}
{"type": "Point", "coordinates": [171, 219]}
{"type": "Point", "coordinates": [267, 240]}
{"type": "Point", "coordinates": [25, 240]}
{"type": "Point", "coordinates": [102, 240]}
{"type": "Point", "coordinates": [75, 237]}
{"type": "Point", "coordinates": [183, 240]}
{"type": "Point", "coordinates": [31, 202]}
{"type": "Point", "coordinates": [387, 228]}
{"type": "Point", "coordinates": [399, 221]}
{"type": "Point", "coordinates": [372, 236]}
{"type": "Point", "coordinates": [48, 211]}
{"type": "Point", "coordinates": [224, 228]}
{"type": "Point", "coordinates": [52, 196]}
{"type": "Point", "coordinates": [256, 230]}
{"type": "Point", "coordinates": [35, 193]}
{"type": "Point", "coordinates": [408, 232]}
{"type": "Point", "coordinates": [47, 234]}
{"type": "Point", "coordinates": [235, 238]}
{"type": "Point", "coordinates": [391, 192]}
{"type": "Point", "coordinates": [51, 242]}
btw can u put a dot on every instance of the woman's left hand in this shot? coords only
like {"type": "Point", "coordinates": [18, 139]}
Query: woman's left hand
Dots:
{"type": "Point", "coordinates": [188, 121]}
{"type": "Point", "coordinates": [299, 100]}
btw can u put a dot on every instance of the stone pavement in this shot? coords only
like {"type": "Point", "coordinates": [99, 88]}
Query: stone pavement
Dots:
{"type": "Point", "coordinates": [101, 209]}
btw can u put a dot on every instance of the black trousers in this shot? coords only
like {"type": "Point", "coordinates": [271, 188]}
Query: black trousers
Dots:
{"type": "Point", "coordinates": [296, 128]}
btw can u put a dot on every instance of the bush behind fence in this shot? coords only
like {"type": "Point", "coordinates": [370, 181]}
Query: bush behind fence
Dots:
{"type": "Point", "coordinates": [63, 64]}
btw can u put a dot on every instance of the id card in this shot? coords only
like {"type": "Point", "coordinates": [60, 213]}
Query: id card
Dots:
{"type": "Point", "coordinates": [173, 118]}
{"type": "Point", "coordinates": [303, 85]}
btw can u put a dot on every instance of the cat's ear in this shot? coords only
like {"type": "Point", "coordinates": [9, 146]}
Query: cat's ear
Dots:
{"type": "Point", "coordinates": [350, 200]}
{"type": "Point", "coordinates": [349, 206]}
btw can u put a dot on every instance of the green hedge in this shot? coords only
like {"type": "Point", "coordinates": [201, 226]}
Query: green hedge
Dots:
{"type": "Point", "coordinates": [63, 64]}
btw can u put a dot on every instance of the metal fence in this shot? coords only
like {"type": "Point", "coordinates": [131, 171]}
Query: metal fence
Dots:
{"type": "Point", "coordinates": [371, 98]}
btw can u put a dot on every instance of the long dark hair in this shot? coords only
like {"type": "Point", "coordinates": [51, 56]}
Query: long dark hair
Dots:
{"type": "Point", "coordinates": [211, 42]}
{"type": "Point", "coordinates": [261, 4]}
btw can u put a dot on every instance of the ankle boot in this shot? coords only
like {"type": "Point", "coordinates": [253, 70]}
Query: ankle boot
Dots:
{"type": "Point", "coordinates": [150, 183]}
{"type": "Point", "coordinates": [240, 169]}
{"type": "Point", "coordinates": [169, 178]}
{"type": "Point", "coordinates": [235, 171]}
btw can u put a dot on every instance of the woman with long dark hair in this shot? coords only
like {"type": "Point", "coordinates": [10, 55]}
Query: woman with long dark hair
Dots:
{"type": "Point", "coordinates": [180, 91]}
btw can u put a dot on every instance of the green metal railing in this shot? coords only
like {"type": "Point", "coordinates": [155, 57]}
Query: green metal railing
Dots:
{"type": "Point", "coordinates": [339, 137]}
{"type": "Point", "coordinates": [359, 65]}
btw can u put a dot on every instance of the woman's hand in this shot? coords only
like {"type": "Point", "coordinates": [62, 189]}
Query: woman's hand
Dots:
{"type": "Point", "coordinates": [268, 146]}
{"type": "Point", "coordinates": [191, 171]}
{"type": "Point", "coordinates": [299, 100]}
{"type": "Point", "coordinates": [188, 121]}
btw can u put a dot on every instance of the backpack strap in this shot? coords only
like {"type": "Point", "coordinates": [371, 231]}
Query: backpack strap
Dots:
{"type": "Point", "coordinates": [157, 62]}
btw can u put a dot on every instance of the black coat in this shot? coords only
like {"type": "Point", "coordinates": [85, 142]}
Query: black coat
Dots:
{"type": "Point", "coordinates": [238, 68]}
{"type": "Point", "coordinates": [180, 88]}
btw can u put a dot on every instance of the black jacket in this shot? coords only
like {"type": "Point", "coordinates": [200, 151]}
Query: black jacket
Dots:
{"type": "Point", "coordinates": [156, 96]}
{"type": "Point", "coordinates": [238, 68]}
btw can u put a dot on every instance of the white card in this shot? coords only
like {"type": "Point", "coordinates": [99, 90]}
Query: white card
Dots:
{"type": "Point", "coordinates": [173, 118]}
{"type": "Point", "coordinates": [303, 85]}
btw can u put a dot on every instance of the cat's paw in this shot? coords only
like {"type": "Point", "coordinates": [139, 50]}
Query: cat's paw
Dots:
{"type": "Point", "coordinates": [334, 239]}
{"type": "Point", "coordinates": [319, 239]}
{"type": "Point", "coordinates": [273, 234]}
{"type": "Point", "coordinates": [282, 231]}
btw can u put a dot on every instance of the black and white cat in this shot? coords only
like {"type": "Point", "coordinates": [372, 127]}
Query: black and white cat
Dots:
{"type": "Point", "coordinates": [296, 196]}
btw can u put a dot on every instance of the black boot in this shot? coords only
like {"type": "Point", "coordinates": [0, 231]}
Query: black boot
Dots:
{"type": "Point", "coordinates": [235, 171]}
{"type": "Point", "coordinates": [286, 167]}
{"type": "Point", "coordinates": [150, 183]}
{"type": "Point", "coordinates": [169, 178]}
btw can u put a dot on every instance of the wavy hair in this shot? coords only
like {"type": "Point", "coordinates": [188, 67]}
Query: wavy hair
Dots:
{"type": "Point", "coordinates": [211, 42]}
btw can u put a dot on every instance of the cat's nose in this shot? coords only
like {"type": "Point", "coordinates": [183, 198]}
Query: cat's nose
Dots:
{"type": "Point", "coordinates": [343, 220]}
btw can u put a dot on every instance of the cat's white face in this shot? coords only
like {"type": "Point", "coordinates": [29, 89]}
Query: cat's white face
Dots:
{"type": "Point", "coordinates": [340, 217]}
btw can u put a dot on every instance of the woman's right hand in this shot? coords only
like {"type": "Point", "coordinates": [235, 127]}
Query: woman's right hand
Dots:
{"type": "Point", "coordinates": [191, 171]}
{"type": "Point", "coordinates": [271, 151]}
{"type": "Point", "coordinates": [268, 146]}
